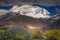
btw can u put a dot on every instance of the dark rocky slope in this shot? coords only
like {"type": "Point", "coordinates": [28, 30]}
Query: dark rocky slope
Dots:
{"type": "Point", "coordinates": [16, 20]}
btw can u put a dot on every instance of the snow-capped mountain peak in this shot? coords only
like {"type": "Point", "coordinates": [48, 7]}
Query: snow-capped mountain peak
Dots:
{"type": "Point", "coordinates": [32, 11]}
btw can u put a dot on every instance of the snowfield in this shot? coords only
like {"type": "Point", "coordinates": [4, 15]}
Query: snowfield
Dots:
{"type": "Point", "coordinates": [32, 11]}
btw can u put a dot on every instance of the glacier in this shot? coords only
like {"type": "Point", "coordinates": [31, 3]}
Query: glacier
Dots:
{"type": "Point", "coordinates": [31, 11]}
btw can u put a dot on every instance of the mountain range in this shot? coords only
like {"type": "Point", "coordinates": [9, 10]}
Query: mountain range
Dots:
{"type": "Point", "coordinates": [51, 9]}
{"type": "Point", "coordinates": [14, 19]}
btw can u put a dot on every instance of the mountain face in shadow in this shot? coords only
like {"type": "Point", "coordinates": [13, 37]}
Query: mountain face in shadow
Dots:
{"type": "Point", "coordinates": [55, 22]}
{"type": "Point", "coordinates": [16, 20]}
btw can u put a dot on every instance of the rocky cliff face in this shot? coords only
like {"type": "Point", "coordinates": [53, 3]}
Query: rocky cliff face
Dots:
{"type": "Point", "coordinates": [55, 22]}
{"type": "Point", "coordinates": [17, 20]}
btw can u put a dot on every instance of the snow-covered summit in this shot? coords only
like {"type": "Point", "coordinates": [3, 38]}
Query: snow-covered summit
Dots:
{"type": "Point", "coordinates": [32, 11]}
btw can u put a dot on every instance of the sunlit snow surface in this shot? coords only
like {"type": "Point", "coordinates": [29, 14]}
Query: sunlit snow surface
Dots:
{"type": "Point", "coordinates": [32, 11]}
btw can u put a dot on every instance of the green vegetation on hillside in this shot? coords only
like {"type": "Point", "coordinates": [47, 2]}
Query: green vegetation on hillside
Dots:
{"type": "Point", "coordinates": [22, 34]}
